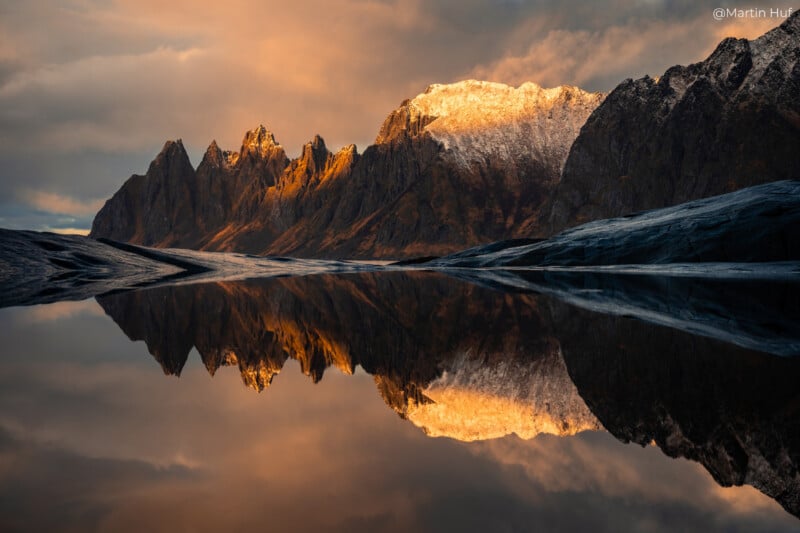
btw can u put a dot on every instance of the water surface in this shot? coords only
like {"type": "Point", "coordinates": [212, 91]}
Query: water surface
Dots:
{"type": "Point", "coordinates": [393, 401]}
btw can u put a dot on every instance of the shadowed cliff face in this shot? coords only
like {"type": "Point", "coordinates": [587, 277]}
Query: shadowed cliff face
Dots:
{"type": "Point", "coordinates": [729, 122]}
{"type": "Point", "coordinates": [468, 362]}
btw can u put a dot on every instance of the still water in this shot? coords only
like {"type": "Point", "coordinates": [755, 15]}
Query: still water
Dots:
{"type": "Point", "coordinates": [391, 402]}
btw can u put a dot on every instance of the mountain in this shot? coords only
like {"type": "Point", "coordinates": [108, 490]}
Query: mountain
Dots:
{"type": "Point", "coordinates": [755, 224]}
{"type": "Point", "coordinates": [716, 126]}
{"type": "Point", "coordinates": [175, 206]}
{"type": "Point", "coordinates": [458, 165]}
{"type": "Point", "coordinates": [475, 162]}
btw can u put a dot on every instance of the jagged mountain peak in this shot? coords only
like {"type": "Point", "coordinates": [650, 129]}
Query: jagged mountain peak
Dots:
{"type": "Point", "coordinates": [315, 153]}
{"type": "Point", "coordinates": [213, 154]}
{"type": "Point", "coordinates": [259, 140]}
{"type": "Point", "coordinates": [347, 155]}
{"type": "Point", "coordinates": [173, 155]}
{"type": "Point", "coordinates": [774, 44]}
{"type": "Point", "coordinates": [217, 157]}
{"type": "Point", "coordinates": [349, 149]}
{"type": "Point", "coordinates": [315, 145]}
{"type": "Point", "coordinates": [317, 142]}
{"type": "Point", "coordinates": [172, 147]}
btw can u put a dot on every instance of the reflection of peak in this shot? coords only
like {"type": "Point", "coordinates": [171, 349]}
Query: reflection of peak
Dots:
{"type": "Point", "coordinates": [320, 321]}
{"type": "Point", "coordinates": [257, 376]}
{"type": "Point", "coordinates": [475, 399]}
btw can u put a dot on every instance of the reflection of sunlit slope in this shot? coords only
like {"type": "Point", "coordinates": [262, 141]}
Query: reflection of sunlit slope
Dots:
{"type": "Point", "coordinates": [476, 400]}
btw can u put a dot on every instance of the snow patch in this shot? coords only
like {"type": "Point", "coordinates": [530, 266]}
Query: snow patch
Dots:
{"type": "Point", "coordinates": [479, 120]}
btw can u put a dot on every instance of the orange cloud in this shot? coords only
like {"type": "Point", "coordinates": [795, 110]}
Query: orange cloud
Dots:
{"type": "Point", "coordinates": [60, 204]}
{"type": "Point", "coordinates": [60, 311]}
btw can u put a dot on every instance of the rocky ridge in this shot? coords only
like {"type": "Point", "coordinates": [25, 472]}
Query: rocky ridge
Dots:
{"type": "Point", "coordinates": [443, 174]}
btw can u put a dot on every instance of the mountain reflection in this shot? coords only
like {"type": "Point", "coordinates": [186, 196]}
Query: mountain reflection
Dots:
{"type": "Point", "coordinates": [439, 350]}
{"type": "Point", "coordinates": [469, 362]}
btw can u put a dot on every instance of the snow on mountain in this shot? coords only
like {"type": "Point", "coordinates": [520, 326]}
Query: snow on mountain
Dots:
{"type": "Point", "coordinates": [478, 400]}
{"type": "Point", "coordinates": [480, 120]}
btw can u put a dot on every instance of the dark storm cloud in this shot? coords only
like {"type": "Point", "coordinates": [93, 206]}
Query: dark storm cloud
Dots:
{"type": "Point", "coordinates": [117, 78]}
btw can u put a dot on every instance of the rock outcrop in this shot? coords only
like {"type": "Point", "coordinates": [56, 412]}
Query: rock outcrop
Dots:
{"type": "Point", "coordinates": [728, 122]}
{"type": "Point", "coordinates": [756, 224]}
{"type": "Point", "coordinates": [37, 267]}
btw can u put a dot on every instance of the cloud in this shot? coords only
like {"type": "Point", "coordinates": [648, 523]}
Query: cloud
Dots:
{"type": "Point", "coordinates": [59, 311]}
{"type": "Point", "coordinates": [598, 60]}
{"type": "Point", "coordinates": [91, 89]}
{"type": "Point", "coordinates": [60, 204]}
{"type": "Point", "coordinates": [70, 231]}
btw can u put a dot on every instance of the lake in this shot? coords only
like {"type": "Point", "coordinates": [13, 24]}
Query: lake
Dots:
{"type": "Point", "coordinates": [397, 401]}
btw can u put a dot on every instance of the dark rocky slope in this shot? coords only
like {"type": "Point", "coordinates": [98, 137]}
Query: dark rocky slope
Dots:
{"type": "Point", "coordinates": [757, 224]}
{"type": "Point", "coordinates": [458, 165]}
{"type": "Point", "coordinates": [38, 268]}
{"type": "Point", "coordinates": [725, 123]}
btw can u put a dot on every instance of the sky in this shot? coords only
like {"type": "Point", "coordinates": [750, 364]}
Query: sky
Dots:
{"type": "Point", "coordinates": [91, 89]}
